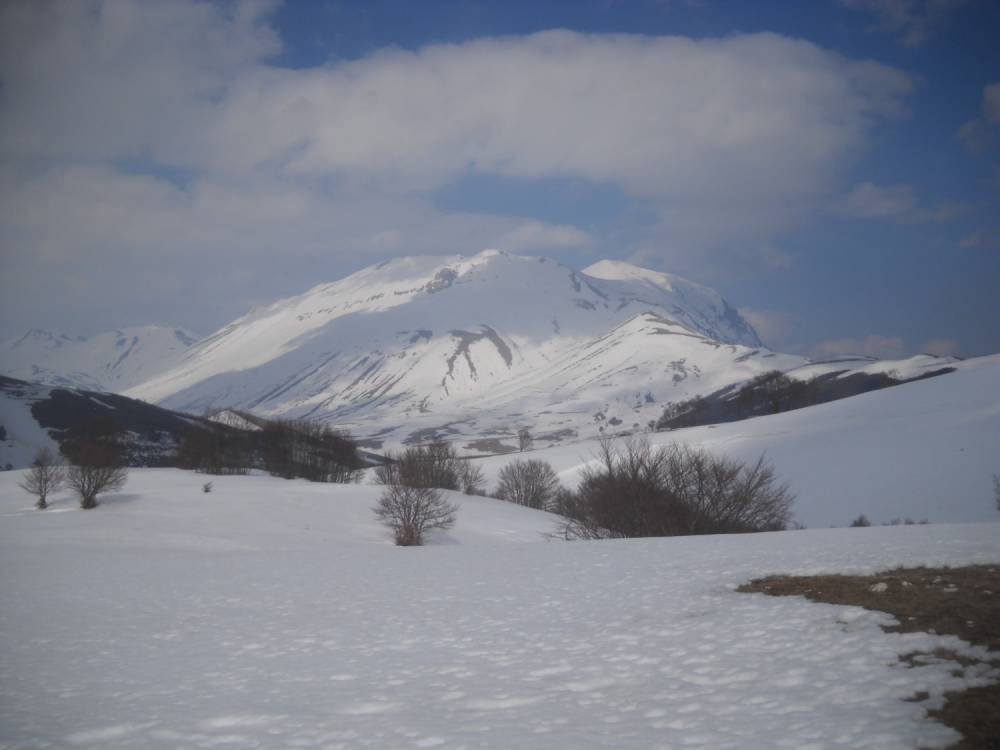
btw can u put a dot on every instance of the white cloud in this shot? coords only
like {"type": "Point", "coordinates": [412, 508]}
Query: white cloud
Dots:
{"type": "Point", "coordinates": [536, 235]}
{"type": "Point", "coordinates": [940, 347]}
{"type": "Point", "coordinates": [133, 245]}
{"type": "Point", "coordinates": [883, 347]}
{"type": "Point", "coordinates": [668, 117]}
{"type": "Point", "coordinates": [723, 142]}
{"type": "Point", "coordinates": [977, 134]}
{"type": "Point", "coordinates": [913, 21]}
{"type": "Point", "coordinates": [771, 326]}
{"type": "Point", "coordinates": [870, 201]}
{"type": "Point", "coordinates": [894, 202]}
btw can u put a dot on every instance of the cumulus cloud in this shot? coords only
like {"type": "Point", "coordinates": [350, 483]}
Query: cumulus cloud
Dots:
{"type": "Point", "coordinates": [883, 347]}
{"type": "Point", "coordinates": [136, 135]}
{"type": "Point", "coordinates": [912, 21]}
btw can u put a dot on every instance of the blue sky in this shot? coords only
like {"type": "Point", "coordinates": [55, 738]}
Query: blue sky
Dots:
{"type": "Point", "coordinates": [833, 168]}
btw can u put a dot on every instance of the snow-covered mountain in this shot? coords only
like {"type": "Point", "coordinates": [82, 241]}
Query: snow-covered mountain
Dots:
{"type": "Point", "coordinates": [112, 361]}
{"type": "Point", "coordinates": [473, 347]}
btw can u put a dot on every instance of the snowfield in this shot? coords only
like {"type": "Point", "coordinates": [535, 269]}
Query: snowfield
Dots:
{"type": "Point", "coordinates": [275, 614]}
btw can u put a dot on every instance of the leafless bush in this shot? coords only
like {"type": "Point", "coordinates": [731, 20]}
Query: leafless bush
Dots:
{"type": "Point", "coordinates": [98, 469]}
{"type": "Point", "coordinates": [861, 521]}
{"type": "Point", "coordinates": [532, 483]}
{"type": "Point", "coordinates": [411, 511]}
{"type": "Point", "coordinates": [470, 479]}
{"type": "Point", "coordinates": [636, 491]}
{"type": "Point", "coordinates": [524, 439]}
{"type": "Point", "coordinates": [46, 475]}
{"type": "Point", "coordinates": [436, 465]}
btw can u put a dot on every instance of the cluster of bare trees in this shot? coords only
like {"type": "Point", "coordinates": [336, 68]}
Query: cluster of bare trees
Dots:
{"type": "Point", "coordinates": [299, 448]}
{"type": "Point", "coordinates": [218, 450]}
{"type": "Point", "coordinates": [436, 466]}
{"type": "Point", "coordinates": [288, 448]}
{"type": "Point", "coordinates": [96, 468]}
{"type": "Point", "coordinates": [631, 490]}
{"type": "Point", "coordinates": [635, 490]}
{"type": "Point", "coordinates": [770, 393]}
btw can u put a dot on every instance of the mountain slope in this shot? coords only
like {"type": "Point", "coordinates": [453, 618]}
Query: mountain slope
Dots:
{"type": "Point", "coordinates": [112, 361]}
{"type": "Point", "coordinates": [473, 346]}
{"type": "Point", "coordinates": [34, 416]}
{"type": "Point", "coordinates": [924, 450]}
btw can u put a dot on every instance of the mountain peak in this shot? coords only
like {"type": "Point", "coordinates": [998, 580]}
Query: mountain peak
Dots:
{"type": "Point", "coordinates": [620, 270]}
{"type": "Point", "coordinates": [409, 346]}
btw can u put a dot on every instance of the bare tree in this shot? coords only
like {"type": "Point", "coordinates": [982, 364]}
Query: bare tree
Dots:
{"type": "Point", "coordinates": [637, 491]}
{"type": "Point", "coordinates": [436, 465]}
{"type": "Point", "coordinates": [412, 511]}
{"type": "Point", "coordinates": [46, 475]}
{"type": "Point", "coordinates": [98, 469]}
{"type": "Point", "coordinates": [524, 439]}
{"type": "Point", "coordinates": [470, 478]}
{"type": "Point", "coordinates": [532, 483]}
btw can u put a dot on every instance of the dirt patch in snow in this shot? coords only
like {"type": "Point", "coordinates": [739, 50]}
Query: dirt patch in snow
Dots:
{"type": "Point", "coordinates": [949, 601]}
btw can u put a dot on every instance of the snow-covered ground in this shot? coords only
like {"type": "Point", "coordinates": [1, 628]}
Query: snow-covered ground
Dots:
{"type": "Point", "coordinates": [921, 450]}
{"type": "Point", "coordinates": [275, 614]}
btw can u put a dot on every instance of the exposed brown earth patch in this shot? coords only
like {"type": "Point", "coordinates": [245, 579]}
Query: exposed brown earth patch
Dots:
{"type": "Point", "coordinates": [949, 601]}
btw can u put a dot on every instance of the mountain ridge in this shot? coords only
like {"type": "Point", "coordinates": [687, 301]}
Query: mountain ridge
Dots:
{"type": "Point", "coordinates": [464, 348]}
{"type": "Point", "coordinates": [109, 361]}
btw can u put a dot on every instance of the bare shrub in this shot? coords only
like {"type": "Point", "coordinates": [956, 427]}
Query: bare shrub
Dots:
{"type": "Point", "coordinates": [861, 521]}
{"type": "Point", "coordinates": [436, 465]}
{"type": "Point", "coordinates": [532, 483]}
{"type": "Point", "coordinates": [411, 511]}
{"type": "Point", "coordinates": [524, 439]}
{"type": "Point", "coordinates": [98, 469]}
{"type": "Point", "coordinates": [470, 479]}
{"type": "Point", "coordinates": [636, 491]}
{"type": "Point", "coordinates": [46, 475]}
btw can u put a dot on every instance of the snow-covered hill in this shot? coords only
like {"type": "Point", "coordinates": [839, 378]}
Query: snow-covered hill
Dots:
{"type": "Point", "coordinates": [473, 346]}
{"type": "Point", "coordinates": [921, 450]}
{"type": "Point", "coordinates": [34, 416]}
{"type": "Point", "coordinates": [276, 614]}
{"type": "Point", "coordinates": [112, 361]}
